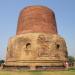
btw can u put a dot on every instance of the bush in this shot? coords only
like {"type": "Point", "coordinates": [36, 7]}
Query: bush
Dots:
{"type": "Point", "coordinates": [72, 68]}
{"type": "Point", "coordinates": [1, 61]}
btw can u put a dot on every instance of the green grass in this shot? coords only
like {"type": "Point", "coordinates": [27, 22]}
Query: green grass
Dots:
{"type": "Point", "coordinates": [70, 72]}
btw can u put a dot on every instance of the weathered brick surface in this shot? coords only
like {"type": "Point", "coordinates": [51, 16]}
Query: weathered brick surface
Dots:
{"type": "Point", "coordinates": [36, 19]}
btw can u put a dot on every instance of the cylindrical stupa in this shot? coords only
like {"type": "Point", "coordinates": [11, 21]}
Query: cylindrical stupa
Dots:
{"type": "Point", "coordinates": [36, 19]}
{"type": "Point", "coordinates": [36, 45]}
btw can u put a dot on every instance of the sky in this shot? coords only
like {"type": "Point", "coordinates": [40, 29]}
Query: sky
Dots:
{"type": "Point", "coordinates": [64, 13]}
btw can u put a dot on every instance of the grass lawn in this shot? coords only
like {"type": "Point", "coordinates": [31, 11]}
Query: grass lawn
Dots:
{"type": "Point", "coordinates": [71, 72]}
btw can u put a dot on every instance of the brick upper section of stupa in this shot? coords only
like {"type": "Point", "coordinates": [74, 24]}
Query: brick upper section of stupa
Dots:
{"type": "Point", "coordinates": [36, 19]}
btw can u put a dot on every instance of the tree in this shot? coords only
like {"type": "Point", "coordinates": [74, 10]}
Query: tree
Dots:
{"type": "Point", "coordinates": [1, 61]}
{"type": "Point", "coordinates": [71, 60]}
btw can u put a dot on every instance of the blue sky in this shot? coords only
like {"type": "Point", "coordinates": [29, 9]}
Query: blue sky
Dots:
{"type": "Point", "coordinates": [64, 12]}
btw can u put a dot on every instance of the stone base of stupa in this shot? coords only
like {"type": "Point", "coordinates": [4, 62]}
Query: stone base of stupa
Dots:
{"type": "Point", "coordinates": [36, 65]}
{"type": "Point", "coordinates": [36, 51]}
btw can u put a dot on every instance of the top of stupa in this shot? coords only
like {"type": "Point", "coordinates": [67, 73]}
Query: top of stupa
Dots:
{"type": "Point", "coordinates": [36, 19]}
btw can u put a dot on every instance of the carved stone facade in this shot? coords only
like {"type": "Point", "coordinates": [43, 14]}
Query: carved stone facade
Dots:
{"type": "Point", "coordinates": [36, 49]}
{"type": "Point", "coordinates": [37, 42]}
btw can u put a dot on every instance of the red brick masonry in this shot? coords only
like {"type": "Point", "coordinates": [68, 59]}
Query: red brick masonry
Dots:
{"type": "Point", "coordinates": [36, 19]}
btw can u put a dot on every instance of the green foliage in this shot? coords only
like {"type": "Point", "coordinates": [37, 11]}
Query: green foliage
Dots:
{"type": "Point", "coordinates": [72, 69]}
{"type": "Point", "coordinates": [1, 61]}
{"type": "Point", "coordinates": [71, 60]}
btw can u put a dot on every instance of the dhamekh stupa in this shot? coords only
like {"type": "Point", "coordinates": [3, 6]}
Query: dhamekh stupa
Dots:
{"type": "Point", "coordinates": [36, 44]}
